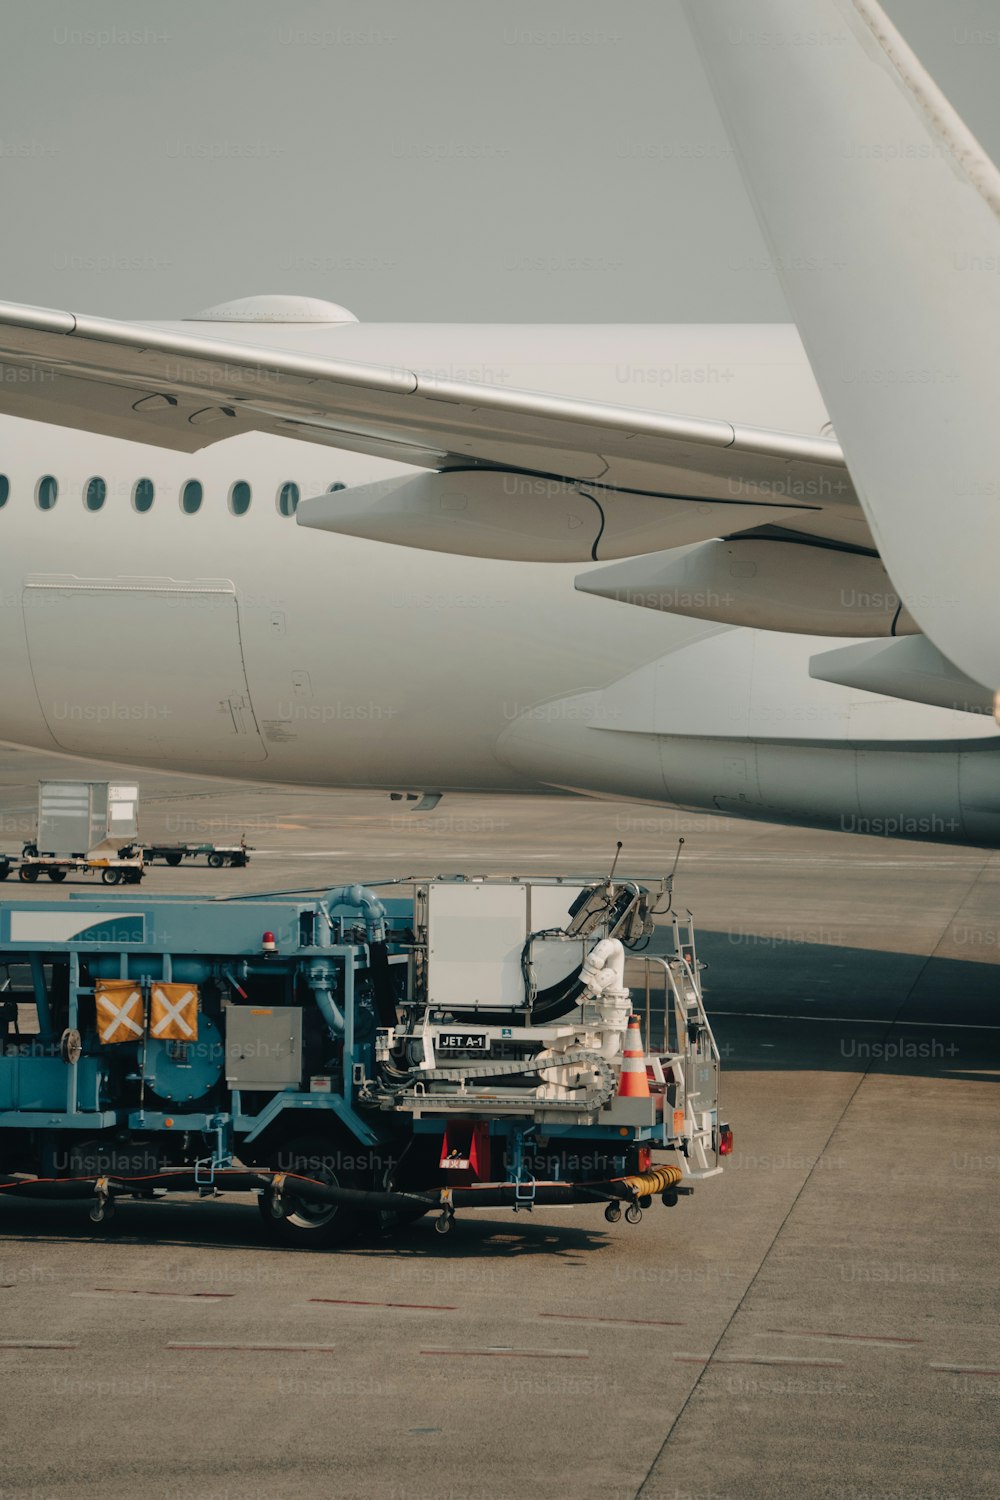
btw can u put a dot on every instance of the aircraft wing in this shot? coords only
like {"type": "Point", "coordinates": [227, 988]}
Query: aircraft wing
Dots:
{"type": "Point", "coordinates": [526, 474]}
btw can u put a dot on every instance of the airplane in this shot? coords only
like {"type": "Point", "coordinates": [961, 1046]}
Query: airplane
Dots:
{"type": "Point", "coordinates": [605, 560]}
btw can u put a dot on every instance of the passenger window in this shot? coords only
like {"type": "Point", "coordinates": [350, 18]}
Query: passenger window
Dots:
{"type": "Point", "coordinates": [288, 498]}
{"type": "Point", "coordinates": [239, 498]}
{"type": "Point", "coordinates": [4, 489]}
{"type": "Point", "coordinates": [95, 494]}
{"type": "Point", "coordinates": [191, 496]}
{"type": "Point", "coordinates": [142, 495]}
{"type": "Point", "coordinates": [46, 492]}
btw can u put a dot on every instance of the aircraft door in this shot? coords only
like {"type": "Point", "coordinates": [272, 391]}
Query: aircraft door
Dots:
{"type": "Point", "coordinates": [144, 669]}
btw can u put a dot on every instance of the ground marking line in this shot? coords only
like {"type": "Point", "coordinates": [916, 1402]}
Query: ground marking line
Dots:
{"type": "Point", "coordinates": [411, 1306]}
{"type": "Point", "coordinates": [502, 1352]}
{"type": "Point", "coordinates": [130, 1291]}
{"type": "Point", "coordinates": [595, 1318]}
{"type": "Point", "coordinates": [257, 1349]}
{"type": "Point", "coordinates": [36, 1344]}
{"type": "Point", "coordinates": [757, 1359]}
{"type": "Point", "coordinates": [866, 1338]}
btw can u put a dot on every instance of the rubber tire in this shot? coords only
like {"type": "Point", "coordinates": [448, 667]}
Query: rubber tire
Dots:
{"type": "Point", "coordinates": [216, 861]}
{"type": "Point", "coordinates": [57, 875]}
{"type": "Point", "coordinates": [341, 1227]}
{"type": "Point", "coordinates": [111, 877]}
{"type": "Point", "coordinates": [4, 871]}
{"type": "Point", "coordinates": [29, 873]}
{"type": "Point", "coordinates": [173, 859]}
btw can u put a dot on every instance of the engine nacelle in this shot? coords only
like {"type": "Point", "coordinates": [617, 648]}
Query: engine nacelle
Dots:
{"type": "Point", "coordinates": [734, 724]}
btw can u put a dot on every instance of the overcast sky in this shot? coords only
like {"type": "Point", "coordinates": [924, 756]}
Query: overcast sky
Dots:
{"type": "Point", "coordinates": [413, 159]}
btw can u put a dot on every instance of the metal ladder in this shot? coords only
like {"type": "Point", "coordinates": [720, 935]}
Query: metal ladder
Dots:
{"type": "Point", "coordinates": [689, 1049]}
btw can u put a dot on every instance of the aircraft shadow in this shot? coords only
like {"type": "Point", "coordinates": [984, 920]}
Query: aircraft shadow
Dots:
{"type": "Point", "coordinates": [777, 1004]}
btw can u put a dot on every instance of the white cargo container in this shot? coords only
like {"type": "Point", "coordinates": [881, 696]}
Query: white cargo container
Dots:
{"type": "Point", "coordinates": [78, 817]}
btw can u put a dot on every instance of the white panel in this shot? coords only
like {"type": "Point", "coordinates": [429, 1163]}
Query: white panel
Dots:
{"type": "Point", "coordinates": [475, 935]}
{"type": "Point", "coordinates": [141, 668]}
{"type": "Point", "coordinates": [550, 906]}
{"type": "Point", "coordinates": [57, 925]}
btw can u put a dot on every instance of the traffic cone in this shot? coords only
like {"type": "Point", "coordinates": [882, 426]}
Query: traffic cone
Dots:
{"type": "Point", "coordinates": [633, 1083]}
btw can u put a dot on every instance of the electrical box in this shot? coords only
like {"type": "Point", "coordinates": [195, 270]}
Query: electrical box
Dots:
{"type": "Point", "coordinates": [263, 1046]}
{"type": "Point", "coordinates": [476, 936]}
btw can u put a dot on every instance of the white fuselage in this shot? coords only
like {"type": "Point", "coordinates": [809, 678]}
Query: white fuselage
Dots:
{"type": "Point", "coordinates": [242, 645]}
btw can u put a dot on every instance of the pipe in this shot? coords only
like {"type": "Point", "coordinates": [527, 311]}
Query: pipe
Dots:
{"type": "Point", "coordinates": [603, 970]}
{"type": "Point", "coordinates": [656, 1180]}
{"type": "Point", "coordinates": [43, 1188]}
{"type": "Point", "coordinates": [42, 1007]}
{"type": "Point", "coordinates": [488, 1195]}
{"type": "Point", "coordinates": [295, 1186]}
{"type": "Point", "coordinates": [178, 1180]}
{"type": "Point", "coordinates": [483, 1195]}
{"type": "Point", "coordinates": [361, 899]}
{"type": "Point", "coordinates": [504, 1194]}
{"type": "Point", "coordinates": [321, 981]}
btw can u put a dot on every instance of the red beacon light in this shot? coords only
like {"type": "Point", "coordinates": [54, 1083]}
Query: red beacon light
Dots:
{"type": "Point", "coordinates": [725, 1140]}
{"type": "Point", "coordinates": [267, 943]}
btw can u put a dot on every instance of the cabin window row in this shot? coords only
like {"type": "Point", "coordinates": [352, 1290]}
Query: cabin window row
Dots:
{"type": "Point", "coordinates": [95, 493]}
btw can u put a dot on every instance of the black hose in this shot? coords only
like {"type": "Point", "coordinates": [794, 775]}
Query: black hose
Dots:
{"type": "Point", "coordinates": [327, 1192]}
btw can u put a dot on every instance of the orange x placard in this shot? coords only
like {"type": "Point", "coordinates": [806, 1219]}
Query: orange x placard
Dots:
{"type": "Point", "coordinates": [119, 1010]}
{"type": "Point", "coordinates": [173, 1012]}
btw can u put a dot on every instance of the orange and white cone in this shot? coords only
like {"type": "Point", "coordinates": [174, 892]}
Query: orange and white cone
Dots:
{"type": "Point", "coordinates": [633, 1083]}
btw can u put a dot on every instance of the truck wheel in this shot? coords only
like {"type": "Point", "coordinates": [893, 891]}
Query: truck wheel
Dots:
{"type": "Point", "coordinates": [216, 860]}
{"type": "Point", "coordinates": [56, 875]}
{"type": "Point", "coordinates": [4, 871]}
{"type": "Point", "coordinates": [313, 1224]}
{"type": "Point", "coordinates": [28, 872]}
{"type": "Point", "coordinates": [173, 858]}
{"type": "Point", "coordinates": [111, 877]}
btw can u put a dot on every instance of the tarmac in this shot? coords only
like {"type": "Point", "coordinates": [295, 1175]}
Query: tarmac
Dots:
{"type": "Point", "coordinates": [820, 1321]}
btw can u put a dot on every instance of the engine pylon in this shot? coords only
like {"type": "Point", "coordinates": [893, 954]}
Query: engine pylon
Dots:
{"type": "Point", "coordinates": [633, 1083]}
